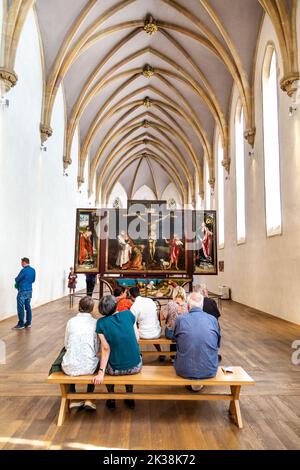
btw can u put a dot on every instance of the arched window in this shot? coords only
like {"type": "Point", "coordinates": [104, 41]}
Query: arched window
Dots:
{"type": "Point", "coordinates": [207, 186]}
{"type": "Point", "coordinates": [240, 174]}
{"type": "Point", "coordinates": [221, 214]}
{"type": "Point", "coordinates": [271, 144]}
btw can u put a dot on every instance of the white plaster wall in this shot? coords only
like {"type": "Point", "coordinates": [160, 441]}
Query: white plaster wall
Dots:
{"type": "Point", "coordinates": [298, 30]}
{"type": "Point", "coordinates": [37, 203]}
{"type": "Point", "coordinates": [172, 192]}
{"type": "Point", "coordinates": [144, 192]}
{"type": "Point", "coordinates": [118, 191]}
{"type": "Point", "coordinates": [1, 26]}
{"type": "Point", "coordinates": [264, 273]}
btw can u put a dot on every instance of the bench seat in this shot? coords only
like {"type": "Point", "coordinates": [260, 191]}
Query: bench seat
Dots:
{"type": "Point", "coordinates": [156, 376]}
{"type": "Point", "coordinates": [161, 340]}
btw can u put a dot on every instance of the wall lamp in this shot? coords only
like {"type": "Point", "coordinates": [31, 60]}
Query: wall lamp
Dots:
{"type": "Point", "coordinates": [4, 103]}
{"type": "Point", "coordinates": [292, 110]}
{"type": "Point", "coordinates": [295, 99]}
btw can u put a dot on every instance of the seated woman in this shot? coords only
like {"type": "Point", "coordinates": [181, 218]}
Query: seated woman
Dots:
{"type": "Point", "coordinates": [177, 306]}
{"type": "Point", "coordinates": [82, 346]}
{"type": "Point", "coordinates": [124, 303]}
{"type": "Point", "coordinates": [120, 353]}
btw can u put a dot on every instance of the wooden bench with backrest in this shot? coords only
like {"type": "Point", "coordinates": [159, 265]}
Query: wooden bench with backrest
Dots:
{"type": "Point", "coordinates": [157, 376]}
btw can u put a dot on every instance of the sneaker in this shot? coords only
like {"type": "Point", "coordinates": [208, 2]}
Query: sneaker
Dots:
{"type": "Point", "coordinates": [89, 405]}
{"type": "Point", "coordinates": [18, 327]}
{"type": "Point", "coordinates": [130, 404]}
{"type": "Point", "coordinates": [76, 404]}
{"type": "Point", "coordinates": [27, 325]}
{"type": "Point", "coordinates": [111, 404]}
{"type": "Point", "coordinates": [194, 388]}
{"type": "Point", "coordinates": [197, 388]}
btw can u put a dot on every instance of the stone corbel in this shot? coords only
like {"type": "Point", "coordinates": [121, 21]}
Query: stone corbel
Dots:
{"type": "Point", "coordinates": [80, 181]}
{"type": "Point", "coordinates": [8, 79]}
{"type": "Point", "coordinates": [289, 83]}
{"type": "Point", "coordinates": [67, 162]}
{"type": "Point", "coordinates": [226, 164]}
{"type": "Point", "coordinates": [46, 132]}
{"type": "Point", "coordinates": [249, 135]}
{"type": "Point", "coordinates": [212, 183]}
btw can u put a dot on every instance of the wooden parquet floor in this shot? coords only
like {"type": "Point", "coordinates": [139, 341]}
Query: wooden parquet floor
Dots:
{"type": "Point", "coordinates": [259, 343]}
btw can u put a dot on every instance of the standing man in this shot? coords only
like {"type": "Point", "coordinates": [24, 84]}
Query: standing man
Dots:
{"type": "Point", "coordinates": [91, 279]}
{"type": "Point", "coordinates": [23, 283]}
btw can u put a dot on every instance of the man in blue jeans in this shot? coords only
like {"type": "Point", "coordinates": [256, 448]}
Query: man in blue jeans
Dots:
{"type": "Point", "coordinates": [23, 283]}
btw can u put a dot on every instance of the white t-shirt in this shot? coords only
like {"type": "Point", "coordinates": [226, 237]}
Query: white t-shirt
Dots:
{"type": "Point", "coordinates": [145, 312]}
{"type": "Point", "coordinates": [82, 345]}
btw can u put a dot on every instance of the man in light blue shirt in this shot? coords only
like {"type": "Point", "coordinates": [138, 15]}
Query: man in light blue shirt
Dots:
{"type": "Point", "coordinates": [23, 282]}
{"type": "Point", "coordinates": [198, 339]}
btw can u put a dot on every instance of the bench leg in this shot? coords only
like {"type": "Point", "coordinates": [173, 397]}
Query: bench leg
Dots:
{"type": "Point", "coordinates": [63, 405]}
{"type": "Point", "coordinates": [234, 408]}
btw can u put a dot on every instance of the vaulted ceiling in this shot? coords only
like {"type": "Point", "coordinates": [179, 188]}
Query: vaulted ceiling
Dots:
{"type": "Point", "coordinates": [148, 82]}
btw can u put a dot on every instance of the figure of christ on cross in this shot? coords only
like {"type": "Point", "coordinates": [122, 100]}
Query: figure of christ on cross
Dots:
{"type": "Point", "coordinates": [153, 230]}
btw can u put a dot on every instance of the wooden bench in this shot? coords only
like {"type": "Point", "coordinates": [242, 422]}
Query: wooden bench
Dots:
{"type": "Point", "coordinates": [162, 341]}
{"type": "Point", "coordinates": [156, 376]}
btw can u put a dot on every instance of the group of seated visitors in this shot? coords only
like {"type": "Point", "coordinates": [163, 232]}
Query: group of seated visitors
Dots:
{"type": "Point", "coordinates": [114, 337]}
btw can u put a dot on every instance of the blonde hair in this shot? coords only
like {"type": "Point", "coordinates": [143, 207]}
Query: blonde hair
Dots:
{"type": "Point", "coordinates": [179, 292]}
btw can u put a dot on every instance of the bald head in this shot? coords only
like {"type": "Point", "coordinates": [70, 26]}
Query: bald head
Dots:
{"type": "Point", "coordinates": [195, 300]}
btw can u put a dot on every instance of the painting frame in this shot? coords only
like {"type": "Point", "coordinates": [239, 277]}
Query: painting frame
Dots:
{"type": "Point", "coordinates": [142, 246]}
{"type": "Point", "coordinates": [87, 241]}
{"type": "Point", "coordinates": [205, 252]}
